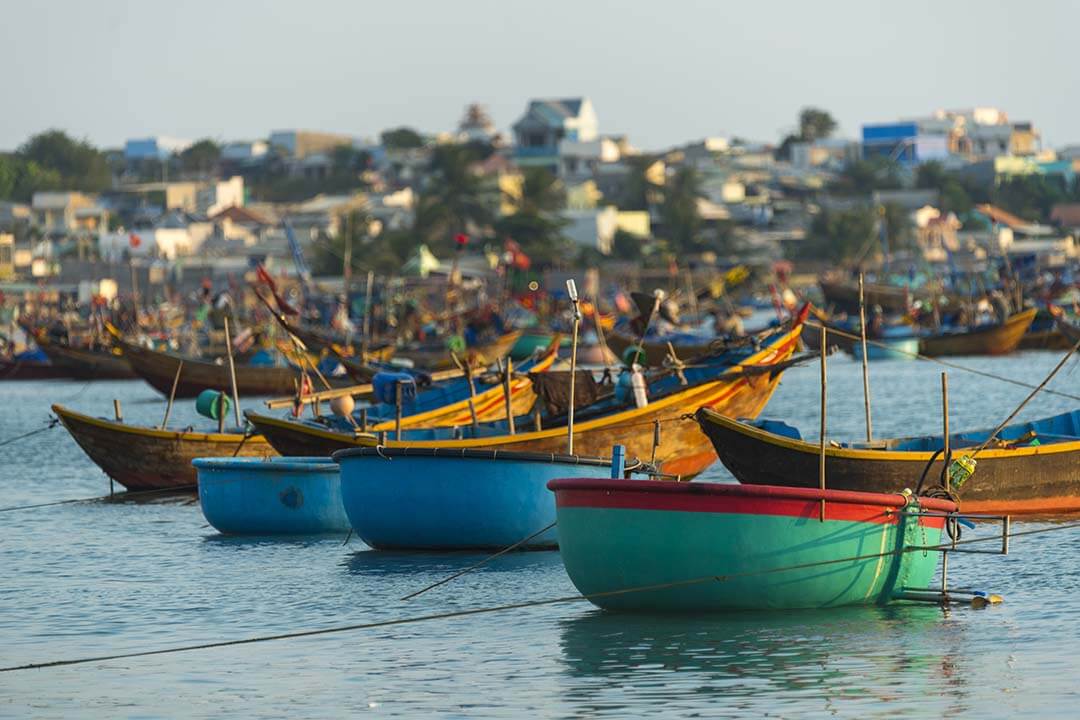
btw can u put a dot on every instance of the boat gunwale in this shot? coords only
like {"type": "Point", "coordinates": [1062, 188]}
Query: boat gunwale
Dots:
{"type": "Point", "coordinates": [752, 492]}
{"type": "Point", "coordinates": [470, 454]}
{"type": "Point", "coordinates": [919, 456]}
{"type": "Point", "coordinates": [266, 465]}
{"type": "Point", "coordinates": [1009, 322]}
{"type": "Point", "coordinates": [64, 414]}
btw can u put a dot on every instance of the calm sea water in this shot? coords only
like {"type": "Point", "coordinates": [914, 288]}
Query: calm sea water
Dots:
{"type": "Point", "coordinates": [92, 579]}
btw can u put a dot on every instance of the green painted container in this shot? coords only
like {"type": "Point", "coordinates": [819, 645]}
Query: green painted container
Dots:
{"type": "Point", "coordinates": [212, 404]}
{"type": "Point", "coordinates": [530, 342]}
{"type": "Point", "coordinates": [680, 547]}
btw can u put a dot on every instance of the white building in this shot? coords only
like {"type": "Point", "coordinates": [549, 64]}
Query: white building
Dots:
{"type": "Point", "coordinates": [158, 147]}
{"type": "Point", "coordinates": [579, 159]}
{"type": "Point", "coordinates": [166, 243]}
{"type": "Point", "coordinates": [245, 152]}
{"type": "Point", "coordinates": [214, 197]}
{"type": "Point", "coordinates": [592, 228]}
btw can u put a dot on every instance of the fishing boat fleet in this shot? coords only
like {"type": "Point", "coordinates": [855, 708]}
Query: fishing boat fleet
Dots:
{"type": "Point", "coordinates": [474, 435]}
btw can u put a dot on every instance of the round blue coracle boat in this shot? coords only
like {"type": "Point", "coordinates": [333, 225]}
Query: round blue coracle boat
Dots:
{"type": "Point", "coordinates": [271, 496]}
{"type": "Point", "coordinates": [455, 499]}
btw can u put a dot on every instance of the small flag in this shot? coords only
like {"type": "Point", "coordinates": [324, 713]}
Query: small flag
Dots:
{"type": "Point", "coordinates": [461, 239]}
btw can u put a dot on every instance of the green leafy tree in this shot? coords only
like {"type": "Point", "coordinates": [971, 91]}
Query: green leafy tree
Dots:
{"type": "Point", "coordinates": [627, 246]}
{"type": "Point", "coordinates": [897, 226]}
{"type": "Point", "coordinates": [202, 157]}
{"type": "Point", "coordinates": [1032, 197]}
{"type": "Point", "coordinates": [536, 226]}
{"type": "Point", "coordinates": [76, 161]}
{"type": "Point", "coordinates": [541, 192]}
{"type": "Point", "coordinates": [679, 211]}
{"type": "Point", "coordinates": [538, 234]}
{"type": "Point", "coordinates": [637, 192]}
{"type": "Point", "coordinates": [840, 235]}
{"type": "Point", "coordinates": [815, 124]}
{"type": "Point", "coordinates": [9, 175]}
{"type": "Point", "coordinates": [863, 177]}
{"type": "Point", "coordinates": [401, 138]}
{"type": "Point", "coordinates": [347, 160]}
{"type": "Point", "coordinates": [453, 199]}
{"type": "Point", "coordinates": [953, 195]}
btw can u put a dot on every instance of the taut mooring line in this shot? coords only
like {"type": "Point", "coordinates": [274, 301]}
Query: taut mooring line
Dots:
{"type": "Point", "coordinates": [526, 604]}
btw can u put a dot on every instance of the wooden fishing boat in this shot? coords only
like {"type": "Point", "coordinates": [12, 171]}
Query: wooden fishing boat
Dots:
{"type": "Point", "coordinates": [318, 340]}
{"type": "Point", "coordinates": [1052, 339]}
{"type": "Point", "coordinates": [996, 339]}
{"type": "Point", "coordinates": [486, 406]}
{"type": "Point", "coordinates": [843, 296]}
{"type": "Point", "coordinates": [1069, 331]}
{"type": "Point", "coordinates": [1034, 469]}
{"type": "Point", "coordinates": [1044, 334]}
{"type": "Point", "coordinates": [86, 364]}
{"type": "Point", "coordinates": [530, 342]}
{"type": "Point", "coordinates": [741, 391]}
{"type": "Point", "coordinates": [18, 369]}
{"type": "Point", "coordinates": [644, 545]}
{"type": "Point", "coordinates": [836, 336]}
{"type": "Point", "coordinates": [656, 349]}
{"type": "Point", "coordinates": [439, 358]}
{"type": "Point", "coordinates": [454, 499]}
{"type": "Point", "coordinates": [141, 458]}
{"type": "Point", "coordinates": [271, 496]}
{"type": "Point", "coordinates": [159, 370]}
{"type": "Point", "coordinates": [895, 347]}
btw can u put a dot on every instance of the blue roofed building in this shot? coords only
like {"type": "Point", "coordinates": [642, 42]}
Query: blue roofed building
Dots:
{"type": "Point", "coordinates": [908, 143]}
{"type": "Point", "coordinates": [154, 148]}
{"type": "Point", "coordinates": [547, 124]}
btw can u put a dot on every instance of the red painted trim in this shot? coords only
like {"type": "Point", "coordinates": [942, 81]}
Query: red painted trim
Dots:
{"type": "Point", "coordinates": [744, 499]}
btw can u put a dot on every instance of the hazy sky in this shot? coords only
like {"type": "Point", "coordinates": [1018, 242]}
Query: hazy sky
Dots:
{"type": "Point", "coordinates": [661, 71]}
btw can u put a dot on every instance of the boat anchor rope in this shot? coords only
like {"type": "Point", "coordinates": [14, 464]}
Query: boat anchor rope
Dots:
{"type": "Point", "coordinates": [520, 605]}
{"type": "Point", "coordinates": [52, 422]}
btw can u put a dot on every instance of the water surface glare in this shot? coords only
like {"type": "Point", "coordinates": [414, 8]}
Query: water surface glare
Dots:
{"type": "Point", "coordinates": [94, 579]}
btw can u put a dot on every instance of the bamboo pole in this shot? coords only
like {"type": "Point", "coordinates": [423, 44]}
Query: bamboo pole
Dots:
{"type": "Point", "coordinates": [865, 362]}
{"type": "Point", "coordinates": [506, 395]}
{"type": "Point", "coordinates": [600, 331]}
{"type": "Point", "coordinates": [571, 289]}
{"type": "Point", "coordinates": [467, 369]}
{"type": "Point", "coordinates": [355, 391]}
{"type": "Point", "coordinates": [821, 440]}
{"type": "Point", "coordinates": [172, 395]}
{"type": "Point", "coordinates": [116, 410]}
{"type": "Point", "coordinates": [397, 415]}
{"type": "Point", "coordinates": [232, 373]}
{"type": "Point", "coordinates": [946, 449]}
{"type": "Point", "coordinates": [688, 277]}
{"type": "Point", "coordinates": [365, 341]}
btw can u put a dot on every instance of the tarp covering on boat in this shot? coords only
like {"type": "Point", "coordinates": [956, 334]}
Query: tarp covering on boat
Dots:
{"type": "Point", "coordinates": [554, 389]}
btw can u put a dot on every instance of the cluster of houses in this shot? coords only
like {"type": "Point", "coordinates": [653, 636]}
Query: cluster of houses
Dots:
{"type": "Point", "coordinates": [207, 220]}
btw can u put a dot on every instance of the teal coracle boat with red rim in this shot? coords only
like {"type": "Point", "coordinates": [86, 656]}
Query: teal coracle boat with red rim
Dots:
{"type": "Point", "coordinates": [647, 545]}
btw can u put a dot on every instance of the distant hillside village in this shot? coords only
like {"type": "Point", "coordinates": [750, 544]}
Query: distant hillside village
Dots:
{"type": "Point", "coordinates": [552, 192]}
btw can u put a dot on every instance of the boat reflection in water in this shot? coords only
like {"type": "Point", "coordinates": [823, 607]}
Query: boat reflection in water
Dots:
{"type": "Point", "coordinates": [847, 661]}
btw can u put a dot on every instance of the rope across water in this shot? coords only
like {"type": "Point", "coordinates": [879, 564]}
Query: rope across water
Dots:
{"type": "Point", "coordinates": [945, 363]}
{"type": "Point", "coordinates": [523, 605]}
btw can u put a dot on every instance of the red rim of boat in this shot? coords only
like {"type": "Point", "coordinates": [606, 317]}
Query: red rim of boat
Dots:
{"type": "Point", "coordinates": [759, 492]}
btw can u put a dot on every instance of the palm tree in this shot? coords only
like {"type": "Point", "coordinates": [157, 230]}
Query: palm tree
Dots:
{"type": "Point", "coordinates": [453, 200]}
{"type": "Point", "coordinates": [679, 212]}
{"type": "Point", "coordinates": [536, 225]}
{"type": "Point", "coordinates": [541, 192]}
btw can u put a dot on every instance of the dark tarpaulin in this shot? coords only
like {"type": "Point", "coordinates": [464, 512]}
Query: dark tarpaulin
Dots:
{"type": "Point", "coordinates": [554, 389]}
